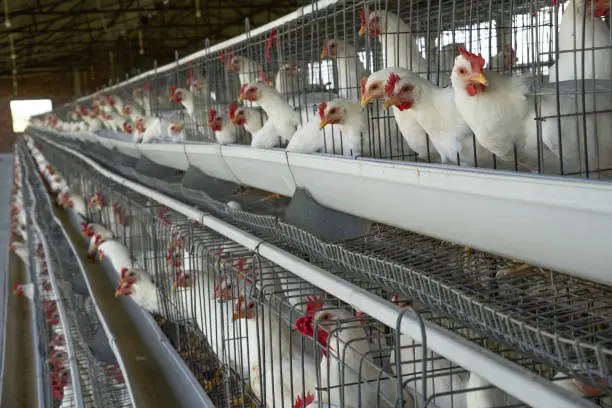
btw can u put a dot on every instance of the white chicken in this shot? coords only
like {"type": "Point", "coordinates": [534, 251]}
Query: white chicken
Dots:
{"type": "Point", "coordinates": [279, 112]}
{"type": "Point", "coordinates": [597, 52]}
{"type": "Point", "coordinates": [266, 137]}
{"type": "Point", "coordinates": [147, 128]}
{"type": "Point", "coordinates": [351, 364]}
{"type": "Point", "coordinates": [140, 288]}
{"type": "Point", "coordinates": [251, 118]}
{"type": "Point", "coordinates": [350, 67]}
{"type": "Point", "coordinates": [248, 70]}
{"type": "Point", "coordinates": [77, 204]}
{"type": "Point", "coordinates": [347, 116]}
{"type": "Point", "coordinates": [503, 61]}
{"type": "Point", "coordinates": [133, 111]}
{"type": "Point", "coordinates": [117, 253]}
{"type": "Point", "coordinates": [412, 132]}
{"type": "Point", "coordinates": [176, 132]}
{"type": "Point", "coordinates": [189, 100]}
{"type": "Point", "coordinates": [21, 250]}
{"type": "Point", "coordinates": [443, 381]}
{"type": "Point", "coordinates": [225, 131]}
{"type": "Point", "coordinates": [398, 45]}
{"type": "Point", "coordinates": [436, 112]}
{"type": "Point", "coordinates": [290, 81]}
{"type": "Point", "coordinates": [112, 121]}
{"type": "Point", "coordinates": [490, 397]}
{"type": "Point", "coordinates": [115, 102]}
{"type": "Point", "coordinates": [498, 110]}
{"type": "Point", "coordinates": [290, 372]}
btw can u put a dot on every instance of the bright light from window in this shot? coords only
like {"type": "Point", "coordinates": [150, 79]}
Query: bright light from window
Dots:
{"type": "Point", "coordinates": [21, 111]}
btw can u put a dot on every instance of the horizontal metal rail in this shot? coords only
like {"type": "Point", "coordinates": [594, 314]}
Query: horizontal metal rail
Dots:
{"type": "Point", "coordinates": [518, 382]}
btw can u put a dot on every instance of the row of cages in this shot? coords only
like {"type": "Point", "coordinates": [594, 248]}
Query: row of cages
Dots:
{"type": "Point", "coordinates": [255, 334]}
{"type": "Point", "coordinates": [333, 65]}
{"type": "Point", "coordinates": [79, 366]}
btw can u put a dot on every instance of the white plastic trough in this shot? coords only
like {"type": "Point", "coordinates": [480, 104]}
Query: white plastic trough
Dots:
{"type": "Point", "coordinates": [105, 141]}
{"type": "Point", "coordinates": [554, 222]}
{"type": "Point", "coordinates": [127, 148]}
{"type": "Point", "coordinates": [208, 159]}
{"type": "Point", "coordinates": [165, 154]}
{"type": "Point", "coordinates": [264, 169]}
{"type": "Point", "coordinates": [563, 224]}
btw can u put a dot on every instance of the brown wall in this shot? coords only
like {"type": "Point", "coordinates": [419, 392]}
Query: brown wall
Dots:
{"type": "Point", "coordinates": [58, 87]}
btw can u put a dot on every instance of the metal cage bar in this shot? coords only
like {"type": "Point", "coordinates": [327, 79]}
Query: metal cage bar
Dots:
{"type": "Point", "coordinates": [164, 226]}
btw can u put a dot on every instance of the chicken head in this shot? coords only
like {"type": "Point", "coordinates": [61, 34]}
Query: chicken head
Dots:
{"type": "Point", "coordinates": [250, 92]}
{"type": "Point", "coordinates": [244, 309]}
{"type": "Point", "coordinates": [468, 72]}
{"type": "Point", "coordinates": [215, 122]}
{"type": "Point", "coordinates": [399, 92]}
{"type": "Point", "coordinates": [236, 114]}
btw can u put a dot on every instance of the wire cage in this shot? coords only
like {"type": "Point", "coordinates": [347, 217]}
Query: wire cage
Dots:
{"type": "Point", "coordinates": [558, 54]}
{"type": "Point", "coordinates": [100, 380]}
{"type": "Point", "coordinates": [544, 321]}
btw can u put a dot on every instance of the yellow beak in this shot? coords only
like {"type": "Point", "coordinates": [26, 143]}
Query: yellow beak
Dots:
{"type": "Point", "coordinates": [365, 99]}
{"type": "Point", "coordinates": [323, 123]}
{"type": "Point", "coordinates": [391, 102]}
{"type": "Point", "coordinates": [480, 78]}
{"type": "Point", "coordinates": [117, 293]}
{"type": "Point", "coordinates": [174, 285]}
{"type": "Point", "coordinates": [362, 30]}
{"type": "Point", "coordinates": [172, 98]}
{"type": "Point", "coordinates": [101, 255]}
{"type": "Point", "coordinates": [324, 51]}
{"type": "Point", "coordinates": [236, 316]}
{"type": "Point", "coordinates": [233, 120]}
{"type": "Point", "coordinates": [240, 98]}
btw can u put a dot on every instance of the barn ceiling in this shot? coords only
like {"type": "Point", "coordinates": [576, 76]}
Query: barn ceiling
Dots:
{"type": "Point", "coordinates": [121, 37]}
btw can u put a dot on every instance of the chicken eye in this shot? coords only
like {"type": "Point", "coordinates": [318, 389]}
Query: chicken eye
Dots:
{"type": "Point", "coordinates": [332, 111]}
{"type": "Point", "coordinates": [406, 88]}
{"type": "Point", "coordinates": [374, 87]}
{"type": "Point", "coordinates": [251, 305]}
{"type": "Point", "coordinates": [462, 71]}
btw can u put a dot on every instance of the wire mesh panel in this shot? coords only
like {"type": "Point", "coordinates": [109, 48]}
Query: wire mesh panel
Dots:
{"type": "Point", "coordinates": [201, 282]}
{"type": "Point", "coordinates": [101, 382]}
{"type": "Point", "coordinates": [539, 71]}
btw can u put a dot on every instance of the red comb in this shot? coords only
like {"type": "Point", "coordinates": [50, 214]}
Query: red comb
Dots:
{"type": "Point", "coordinates": [172, 90]}
{"type": "Point", "coordinates": [16, 286]}
{"type": "Point", "coordinates": [476, 61]}
{"type": "Point", "coordinates": [243, 88]}
{"type": "Point", "coordinates": [123, 272]}
{"type": "Point", "coordinates": [146, 86]}
{"type": "Point", "coordinates": [262, 77]}
{"type": "Point", "coordinates": [232, 110]}
{"type": "Point", "coordinates": [362, 16]}
{"type": "Point", "coordinates": [391, 81]}
{"type": "Point", "coordinates": [314, 303]}
{"type": "Point", "coordinates": [364, 80]}
{"type": "Point", "coordinates": [189, 72]}
{"type": "Point", "coordinates": [322, 108]}
{"type": "Point", "coordinates": [272, 39]}
{"type": "Point", "coordinates": [299, 403]}
{"type": "Point", "coordinates": [211, 115]}
{"type": "Point", "coordinates": [222, 55]}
